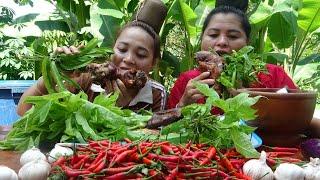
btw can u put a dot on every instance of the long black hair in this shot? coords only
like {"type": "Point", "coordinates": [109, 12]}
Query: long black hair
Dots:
{"type": "Point", "coordinates": [226, 10]}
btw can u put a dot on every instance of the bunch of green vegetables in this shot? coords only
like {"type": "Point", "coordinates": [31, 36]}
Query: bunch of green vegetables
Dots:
{"type": "Point", "coordinates": [55, 66]}
{"type": "Point", "coordinates": [66, 117]}
{"type": "Point", "coordinates": [241, 68]}
{"type": "Point", "coordinates": [200, 126]}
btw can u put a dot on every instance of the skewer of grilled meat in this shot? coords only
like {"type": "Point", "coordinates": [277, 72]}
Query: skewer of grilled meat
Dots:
{"type": "Point", "coordinates": [213, 63]}
{"type": "Point", "coordinates": [131, 78]}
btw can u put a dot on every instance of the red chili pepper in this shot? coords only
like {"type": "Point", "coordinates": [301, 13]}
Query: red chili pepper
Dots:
{"type": "Point", "coordinates": [271, 162]}
{"type": "Point", "coordinates": [148, 161]}
{"type": "Point", "coordinates": [231, 153]}
{"type": "Point", "coordinates": [76, 158]}
{"type": "Point", "coordinates": [172, 174]}
{"type": "Point", "coordinates": [59, 162]}
{"type": "Point", "coordinates": [201, 145]}
{"type": "Point", "coordinates": [211, 152]}
{"type": "Point", "coordinates": [153, 173]}
{"type": "Point", "coordinates": [226, 163]}
{"type": "Point", "coordinates": [187, 158]}
{"type": "Point", "coordinates": [284, 149]}
{"type": "Point", "coordinates": [163, 158]}
{"type": "Point", "coordinates": [280, 154]}
{"type": "Point", "coordinates": [123, 175]}
{"type": "Point", "coordinates": [188, 144]}
{"type": "Point", "coordinates": [120, 150]}
{"type": "Point", "coordinates": [198, 154]}
{"type": "Point", "coordinates": [128, 163]}
{"type": "Point", "coordinates": [242, 176]}
{"type": "Point", "coordinates": [80, 163]}
{"type": "Point", "coordinates": [289, 160]}
{"type": "Point", "coordinates": [101, 155]}
{"type": "Point", "coordinates": [183, 167]}
{"type": "Point", "coordinates": [166, 149]}
{"type": "Point", "coordinates": [104, 143]}
{"type": "Point", "coordinates": [111, 171]}
{"type": "Point", "coordinates": [74, 173]}
{"type": "Point", "coordinates": [100, 166]}
{"type": "Point", "coordinates": [122, 156]}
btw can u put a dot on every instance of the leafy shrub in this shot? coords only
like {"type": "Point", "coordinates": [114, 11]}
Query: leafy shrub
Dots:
{"type": "Point", "coordinates": [13, 64]}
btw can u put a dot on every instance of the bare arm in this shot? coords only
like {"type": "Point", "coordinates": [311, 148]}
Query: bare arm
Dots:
{"type": "Point", "coordinates": [38, 89]}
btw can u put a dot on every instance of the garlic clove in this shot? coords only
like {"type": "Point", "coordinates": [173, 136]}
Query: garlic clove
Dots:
{"type": "Point", "coordinates": [7, 173]}
{"type": "Point", "coordinates": [287, 171]}
{"type": "Point", "coordinates": [31, 155]}
{"type": "Point", "coordinates": [35, 170]}
{"type": "Point", "coordinates": [58, 151]}
{"type": "Point", "coordinates": [258, 168]}
{"type": "Point", "coordinates": [311, 169]}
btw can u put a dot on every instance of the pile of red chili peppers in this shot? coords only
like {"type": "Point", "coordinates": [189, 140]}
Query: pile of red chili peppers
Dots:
{"type": "Point", "coordinates": [151, 160]}
{"type": "Point", "coordinates": [277, 155]}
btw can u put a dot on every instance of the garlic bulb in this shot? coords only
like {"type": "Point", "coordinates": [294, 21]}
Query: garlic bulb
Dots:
{"type": "Point", "coordinates": [31, 155]}
{"type": "Point", "coordinates": [258, 168]}
{"type": "Point", "coordinates": [58, 151]}
{"type": "Point", "coordinates": [287, 171]}
{"type": "Point", "coordinates": [35, 170]}
{"type": "Point", "coordinates": [7, 173]}
{"type": "Point", "coordinates": [312, 168]}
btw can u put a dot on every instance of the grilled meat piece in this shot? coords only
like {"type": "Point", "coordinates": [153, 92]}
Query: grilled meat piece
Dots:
{"type": "Point", "coordinates": [131, 78]}
{"type": "Point", "coordinates": [209, 62]}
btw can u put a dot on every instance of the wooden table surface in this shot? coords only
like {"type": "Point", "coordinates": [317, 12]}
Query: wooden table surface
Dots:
{"type": "Point", "coordinates": [10, 159]}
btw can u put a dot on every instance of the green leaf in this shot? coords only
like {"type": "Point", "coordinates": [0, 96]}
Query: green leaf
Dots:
{"type": "Point", "coordinates": [206, 90]}
{"type": "Point", "coordinates": [241, 104]}
{"type": "Point", "coordinates": [104, 27]}
{"type": "Point", "coordinates": [44, 111]}
{"type": "Point", "coordinates": [180, 11]}
{"type": "Point", "coordinates": [69, 127]}
{"type": "Point", "coordinates": [306, 71]}
{"type": "Point", "coordinates": [262, 15]}
{"type": "Point", "coordinates": [309, 15]}
{"type": "Point", "coordinates": [283, 29]}
{"type": "Point", "coordinates": [243, 145]}
{"type": "Point", "coordinates": [82, 121]}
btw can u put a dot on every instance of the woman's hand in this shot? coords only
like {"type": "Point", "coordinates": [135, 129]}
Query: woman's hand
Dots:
{"type": "Point", "coordinates": [125, 95]}
{"type": "Point", "coordinates": [69, 50]}
{"type": "Point", "coordinates": [191, 94]}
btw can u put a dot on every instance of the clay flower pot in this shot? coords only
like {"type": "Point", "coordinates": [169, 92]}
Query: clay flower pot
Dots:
{"type": "Point", "coordinates": [282, 117]}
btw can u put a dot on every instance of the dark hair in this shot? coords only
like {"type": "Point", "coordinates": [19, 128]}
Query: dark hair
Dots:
{"type": "Point", "coordinates": [150, 31]}
{"type": "Point", "coordinates": [239, 4]}
{"type": "Point", "coordinates": [226, 10]}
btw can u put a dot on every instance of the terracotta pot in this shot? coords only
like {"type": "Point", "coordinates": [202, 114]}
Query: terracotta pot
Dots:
{"type": "Point", "coordinates": [281, 115]}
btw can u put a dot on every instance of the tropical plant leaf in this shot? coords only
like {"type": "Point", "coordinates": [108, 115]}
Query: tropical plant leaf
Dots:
{"type": "Point", "coordinates": [282, 29]}
{"type": "Point", "coordinates": [309, 15]}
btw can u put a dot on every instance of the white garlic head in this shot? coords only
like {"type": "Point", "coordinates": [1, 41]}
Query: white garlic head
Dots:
{"type": "Point", "coordinates": [58, 151]}
{"type": "Point", "coordinates": [31, 155]}
{"type": "Point", "coordinates": [258, 168]}
{"type": "Point", "coordinates": [7, 173]}
{"type": "Point", "coordinates": [35, 170]}
{"type": "Point", "coordinates": [311, 169]}
{"type": "Point", "coordinates": [286, 171]}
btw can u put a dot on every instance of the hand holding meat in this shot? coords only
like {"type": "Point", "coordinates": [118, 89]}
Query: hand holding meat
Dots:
{"type": "Point", "coordinates": [209, 62]}
{"type": "Point", "coordinates": [132, 78]}
{"type": "Point", "coordinates": [191, 93]}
